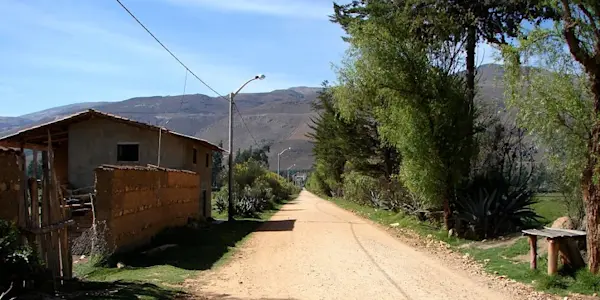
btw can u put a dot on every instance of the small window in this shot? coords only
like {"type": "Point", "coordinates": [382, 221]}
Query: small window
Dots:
{"type": "Point", "coordinates": [128, 152]}
{"type": "Point", "coordinates": [207, 160]}
{"type": "Point", "coordinates": [194, 156]}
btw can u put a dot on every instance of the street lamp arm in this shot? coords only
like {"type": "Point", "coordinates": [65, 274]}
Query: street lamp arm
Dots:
{"type": "Point", "coordinates": [286, 149]}
{"type": "Point", "coordinates": [257, 77]}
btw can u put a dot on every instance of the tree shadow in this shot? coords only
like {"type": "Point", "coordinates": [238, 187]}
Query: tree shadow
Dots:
{"type": "Point", "coordinates": [277, 225]}
{"type": "Point", "coordinates": [81, 290]}
{"type": "Point", "coordinates": [197, 248]}
{"type": "Point", "coordinates": [216, 296]}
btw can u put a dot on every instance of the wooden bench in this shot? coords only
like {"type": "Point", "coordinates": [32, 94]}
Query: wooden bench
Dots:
{"type": "Point", "coordinates": [561, 241]}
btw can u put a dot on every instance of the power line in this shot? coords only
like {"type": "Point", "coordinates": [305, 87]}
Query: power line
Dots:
{"type": "Point", "coordinates": [244, 123]}
{"type": "Point", "coordinates": [187, 69]}
{"type": "Point", "coordinates": [165, 47]}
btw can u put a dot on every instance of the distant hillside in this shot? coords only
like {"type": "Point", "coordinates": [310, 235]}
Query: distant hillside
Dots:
{"type": "Point", "coordinates": [279, 118]}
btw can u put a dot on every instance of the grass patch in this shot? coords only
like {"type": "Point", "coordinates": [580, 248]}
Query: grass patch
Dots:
{"type": "Point", "coordinates": [157, 276]}
{"type": "Point", "coordinates": [501, 260]}
{"type": "Point", "coordinates": [550, 207]}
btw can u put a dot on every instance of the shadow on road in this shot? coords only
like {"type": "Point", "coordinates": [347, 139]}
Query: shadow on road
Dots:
{"type": "Point", "coordinates": [277, 225]}
{"type": "Point", "coordinates": [197, 248]}
{"type": "Point", "coordinates": [229, 297]}
{"type": "Point", "coordinates": [117, 290]}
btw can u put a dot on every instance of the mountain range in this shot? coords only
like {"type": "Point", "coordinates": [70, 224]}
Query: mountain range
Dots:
{"type": "Point", "coordinates": [279, 118]}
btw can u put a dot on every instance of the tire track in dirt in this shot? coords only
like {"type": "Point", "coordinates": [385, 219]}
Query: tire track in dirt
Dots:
{"type": "Point", "coordinates": [362, 247]}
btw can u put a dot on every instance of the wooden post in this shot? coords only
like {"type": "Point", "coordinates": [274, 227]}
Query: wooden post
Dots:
{"type": "Point", "coordinates": [552, 256]}
{"type": "Point", "coordinates": [54, 255]}
{"type": "Point", "coordinates": [22, 220]}
{"type": "Point", "coordinates": [533, 252]}
{"type": "Point", "coordinates": [35, 208]}
{"type": "Point", "coordinates": [45, 209]}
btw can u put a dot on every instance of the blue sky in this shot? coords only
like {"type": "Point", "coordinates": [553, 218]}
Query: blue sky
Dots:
{"type": "Point", "coordinates": [58, 52]}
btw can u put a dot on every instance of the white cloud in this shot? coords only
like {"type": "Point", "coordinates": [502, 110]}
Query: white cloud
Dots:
{"type": "Point", "coordinates": [313, 9]}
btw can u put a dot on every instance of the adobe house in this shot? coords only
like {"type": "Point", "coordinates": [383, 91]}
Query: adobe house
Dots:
{"type": "Point", "coordinates": [83, 141]}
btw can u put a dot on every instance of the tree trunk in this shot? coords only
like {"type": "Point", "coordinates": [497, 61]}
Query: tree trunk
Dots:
{"type": "Point", "coordinates": [471, 70]}
{"type": "Point", "coordinates": [447, 213]}
{"type": "Point", "coordinates": [591, 184]}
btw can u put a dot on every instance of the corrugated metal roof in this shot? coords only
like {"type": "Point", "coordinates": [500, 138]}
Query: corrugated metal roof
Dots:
{"type": "Point", "coordinates": [84, 115]}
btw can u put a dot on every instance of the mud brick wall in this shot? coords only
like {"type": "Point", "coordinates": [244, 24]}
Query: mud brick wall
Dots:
{"type": "Point", "coordinates": [139, 202]}
{"type": "Point", "coordinates": [10, 187]}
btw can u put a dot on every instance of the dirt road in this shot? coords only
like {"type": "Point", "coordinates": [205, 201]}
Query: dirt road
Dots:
{"type": "Point", "coordinates": [312, 249]}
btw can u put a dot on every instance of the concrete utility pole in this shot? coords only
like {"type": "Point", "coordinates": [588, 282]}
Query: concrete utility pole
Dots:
{"type": "Point", "coordinates": [230, 210]}
{"type": "Point", "coordinates": [288, 171]}
{"type": "Point", "coordinates": [278, 156]}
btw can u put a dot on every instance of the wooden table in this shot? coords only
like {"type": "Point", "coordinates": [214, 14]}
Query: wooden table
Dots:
{"type": "Point", "coordinates": [559, 240]}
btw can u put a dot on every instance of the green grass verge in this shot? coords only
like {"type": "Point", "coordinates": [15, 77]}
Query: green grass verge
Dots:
{"type": "Point", "coordinates": [158, 276]}
{"type": "Point", "coordinates": [550, 207]}
{"type": "Point", "coordinates": [501, 260]}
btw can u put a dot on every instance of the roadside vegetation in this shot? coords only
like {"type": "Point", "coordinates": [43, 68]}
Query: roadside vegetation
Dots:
{"type": "Point", "coordinates": [402, 137]}
{"type": "Point", "coordinates": [177, 254]}
{"type": "Point", "coordinates": [158, 270]}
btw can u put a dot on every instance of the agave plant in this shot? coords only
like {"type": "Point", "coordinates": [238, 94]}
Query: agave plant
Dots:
{"type": "Point", "coordinates": [489, 206]}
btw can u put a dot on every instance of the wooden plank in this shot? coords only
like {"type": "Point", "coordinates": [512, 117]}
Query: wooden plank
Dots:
{"type": "Point", "coordinates": [65, 254]}
{"type": "Point", "coordinates": [45, 209]}
{"type": "Point", "coordinates": [35, 208]}
{"type": "Point", "coordinates": [51, 227]}
{"type": "Point", "coordinates": [570, 232]}
{"type": "Point", "coordinates": [35, 202]}
{"type": "Point", "coordinates": [54, 256]}
{"type": "Point", "coordinates": [23, 207]}
{"type": "Point", "coordinates": [59, 213]}
{"type": "Point", "coordinates": [533, 252]}
{"type": "Point", "coordinates": [552, 256]}
{"type": "Point", "coordinates": [554, 233]}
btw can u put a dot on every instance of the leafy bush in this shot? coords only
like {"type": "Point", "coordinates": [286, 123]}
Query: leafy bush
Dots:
{"type": "Point", "coordinates": [17, 262]}
{"type": "Point", "coordinates": [380, 193]}
{"type": "Point", "coordinates": [255, 190]}
{"type": "Point", "coordinates": [490, 206]}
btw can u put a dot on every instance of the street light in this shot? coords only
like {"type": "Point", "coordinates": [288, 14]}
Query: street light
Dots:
{"type": "Point", "coordinates": [231, 96]}
{"type": "Point", "coordinates": [288, 171]}
{"type": "Point", "coordinates": [278, 155]}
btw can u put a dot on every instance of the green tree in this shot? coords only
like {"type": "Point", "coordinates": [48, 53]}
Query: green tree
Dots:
{"type": "Point", "coordinates": [217, 166]}
{"type": "Point", "coordinates": [570, 98]}
{"type": "Point", "coordinates": [258, 154]}
{"type": "Point", "coordinates": [451, 21]}
{"type": "Point", "coordinates": [415, 94]}
{"type": "Point", "coordinates": [30, 170]}
{"type": "Point", "coordinates": [581, 31]}
{"type": "Point", "coordinates": [338, 141]}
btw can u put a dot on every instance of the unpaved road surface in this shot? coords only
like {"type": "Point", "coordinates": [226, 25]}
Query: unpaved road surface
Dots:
{"type": "Point", "coordinates": [312, 249]}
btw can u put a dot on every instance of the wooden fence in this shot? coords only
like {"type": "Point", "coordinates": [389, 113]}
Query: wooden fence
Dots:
{"type": "Point", "coordinates": [42, 214]}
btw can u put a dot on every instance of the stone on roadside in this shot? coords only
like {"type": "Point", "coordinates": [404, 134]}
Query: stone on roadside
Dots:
{"type": "Point", "coordinates": [563, 223]}
{"type": "Point", "coordinates": [451, 233]}
{"type": "Point", "coordinates": [395, 224]}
